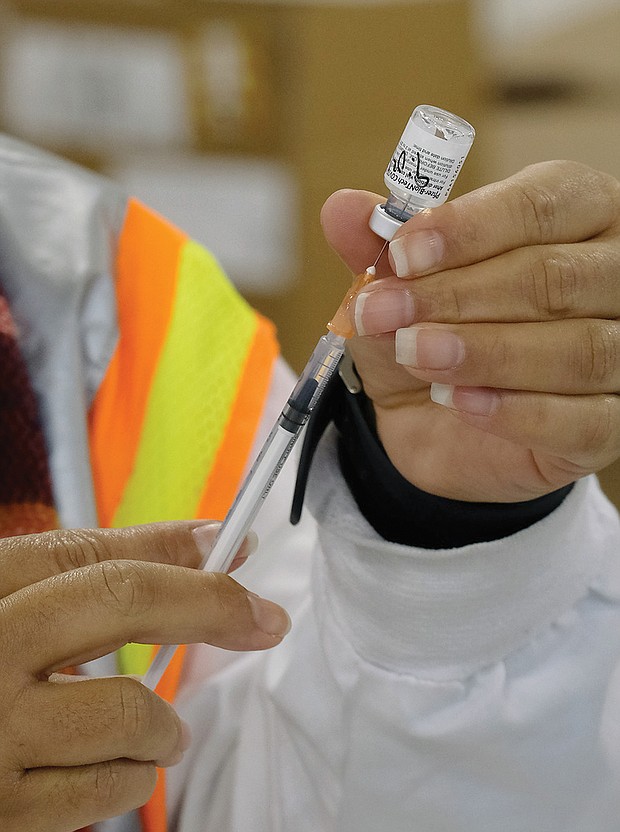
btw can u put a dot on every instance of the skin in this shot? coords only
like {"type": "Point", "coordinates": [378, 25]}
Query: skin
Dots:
{"type": "Point", "coordinates": [75, 751]}
{"type": "Point", "coordinates": [526, 286]}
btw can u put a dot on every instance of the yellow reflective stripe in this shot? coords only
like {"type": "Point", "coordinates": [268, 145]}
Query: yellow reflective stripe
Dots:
{"type": "Point", "coordinates": [192, 393]}
{"type": "Point", "coordinates": [134, 658]}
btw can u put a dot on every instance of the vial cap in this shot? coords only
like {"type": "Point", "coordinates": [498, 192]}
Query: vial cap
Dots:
{"type": "Point", "coordinates": [383, 224]}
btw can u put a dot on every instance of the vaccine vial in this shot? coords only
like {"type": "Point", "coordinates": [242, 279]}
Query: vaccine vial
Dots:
{"type": "Point", "coordinates": [423, 168]}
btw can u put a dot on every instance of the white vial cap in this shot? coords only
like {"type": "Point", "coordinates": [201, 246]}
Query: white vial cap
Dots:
{"type": "Point", "coordinates": [383, 224]}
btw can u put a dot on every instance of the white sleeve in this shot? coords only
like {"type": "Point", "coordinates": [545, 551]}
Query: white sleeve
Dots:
{"type": "Point", "coordinates": [466, 690]}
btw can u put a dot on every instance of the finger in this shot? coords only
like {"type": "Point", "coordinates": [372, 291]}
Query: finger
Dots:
{"type": "Point", "coordinates": [529, 284]}
{"type": "Point", "coordinates": [56, 800]}
{"type": "Point", "coordinates": [94, 721]}
{"type": "Point", "coordinates": [344, 218]}
{"type": "Point", "coordinates": [26, 559]}
{"type": "Point", "coordinates": [72, 618]}
{"type": "Point", "coordinates": [536, 206]}
{"type": "Point", "coordinates": [569, 357]}
{"type": "Point", "coordinates": [574, 435]}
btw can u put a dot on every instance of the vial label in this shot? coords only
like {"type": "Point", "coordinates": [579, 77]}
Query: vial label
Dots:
{"type": "Point", "coordinates": [426, 165]}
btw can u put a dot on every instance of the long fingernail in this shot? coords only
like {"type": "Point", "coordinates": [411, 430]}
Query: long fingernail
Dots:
{"type": "Point", "coordinates": [269, 617]}
{"type": "Point", "coordinates": [204, 536]}
{"type": "Point", "coordinates": [429, 349]}
{"type": "Point", "coordinates": [383, 310]}
{"type": "Point", "coordinates": [417, 252]}
{"type": "Point", "coordinates": [186, 736]}
{"type": "Point", "coordinates": [184, 742]}
{"type": "Point", "coordinates": [479, 401]}
{"type": "Point", "coordinates": [250, 544]}
{"type": "Point", "coordinates": [173, 760]}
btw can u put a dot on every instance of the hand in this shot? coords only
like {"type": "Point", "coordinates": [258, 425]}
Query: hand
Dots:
{"type": "Point", "coordinates": [509, 307]}
{"type": "Point", "coordinates": [76, 752]}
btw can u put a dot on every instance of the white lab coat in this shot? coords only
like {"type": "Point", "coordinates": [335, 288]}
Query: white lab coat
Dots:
{"type": "Point", "coordinates": [466, 690]}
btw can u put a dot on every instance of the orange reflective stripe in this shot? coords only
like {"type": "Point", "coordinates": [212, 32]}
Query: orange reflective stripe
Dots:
{"type": "Point", "coordinates": [153, 815]}
{"type": "Point", "coordinates": [169, 683]}
{"type": "Point", "coordinates": [225, 475]}
{"type": "Point", "coordinates": [148, 256]}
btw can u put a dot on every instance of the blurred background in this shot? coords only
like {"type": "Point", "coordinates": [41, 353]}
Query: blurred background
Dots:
{"type": "Point", "coordinates": [237, 120]}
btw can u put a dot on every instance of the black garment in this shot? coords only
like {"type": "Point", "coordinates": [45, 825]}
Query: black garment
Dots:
{"type": "Point", "coordinates": [396, 509]}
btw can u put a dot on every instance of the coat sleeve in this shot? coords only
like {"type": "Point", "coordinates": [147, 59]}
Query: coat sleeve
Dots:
{"type": "Point", "coordinates": [460, 690]}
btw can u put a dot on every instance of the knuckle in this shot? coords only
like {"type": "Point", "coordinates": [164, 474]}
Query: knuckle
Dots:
{"type": "Point", "coordinates": [598, 353]}
{"type": "Point", "coordinates": [122, 586]}
{"type": "Point", "coordinates": [538, 208]}
{"type": "Point", "coordinates": [114, 787]}
{"type": "Point", "coordinates": [135, 708]}
{"type": "Point", "coordinates": [450, 303]}
{"type": "Point", "coordinates": [108, 783]}
{"type": "Point", "coordinates": [575, 178]}
{"type": "Point", "coordinates": [595, 356]}
{"type": "Point", "coordinates": [598, 429]}
{"type": "Point", "coordinates": [121, 785]}
{"type": "Point", "coordinates": [552, 285]}
{"type": "Point", "coordinates": [74, 548]}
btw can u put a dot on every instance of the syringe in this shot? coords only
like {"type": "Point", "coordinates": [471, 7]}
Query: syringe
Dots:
{"type": "Point", "coordinates": [278, 445]}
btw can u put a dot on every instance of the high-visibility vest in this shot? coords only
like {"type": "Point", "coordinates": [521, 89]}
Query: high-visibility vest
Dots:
{"type": "Point", "coordinates": [174, 420]}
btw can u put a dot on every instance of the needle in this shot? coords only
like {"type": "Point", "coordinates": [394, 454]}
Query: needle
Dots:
{"type": "Point", "coordinates": [383, 248]}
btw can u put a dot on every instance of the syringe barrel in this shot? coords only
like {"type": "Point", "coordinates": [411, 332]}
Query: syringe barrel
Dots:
{"type": "Point", "coordinates": [315, 375]}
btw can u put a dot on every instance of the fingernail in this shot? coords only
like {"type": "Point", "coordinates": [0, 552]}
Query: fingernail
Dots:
{"type": "Point", "coordinates": [186, 736]}
{"type": "Point", "coordinates": [383, 310]}
{"type": "Point", "coordinates": [185, 740]}
{"type": "Point", "coordinates": [250, 544]}
{"type": "Point", "coordinates": [417, 252]}
{"type": "Point", "coordinates": [269, 617]}
{"type": "Point", "coordinates": [247, 548]}
{"type": "Point", "coordinates": [478, 401]}
{"type": "Point", "coordinates": [204, 536]}
{"type": "Point", "coordinates": [442, 394]}
{"type": "Point", "coordinates": [429, 349]}
{"type": "Point", "coordinates": [173, 760]}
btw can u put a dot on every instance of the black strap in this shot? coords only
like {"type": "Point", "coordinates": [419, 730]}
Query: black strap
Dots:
{"type": "Point", "coordinates": [321, 416]}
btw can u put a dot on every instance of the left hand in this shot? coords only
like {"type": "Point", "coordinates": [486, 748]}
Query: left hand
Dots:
{"type": "Point", "coordinates": [511, 297]}
{"type": "Point", "coordinates": [75, 754]}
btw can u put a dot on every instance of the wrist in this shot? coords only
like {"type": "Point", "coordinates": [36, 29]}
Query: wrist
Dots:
{"type": "Point", "coordinates": [404, 513]}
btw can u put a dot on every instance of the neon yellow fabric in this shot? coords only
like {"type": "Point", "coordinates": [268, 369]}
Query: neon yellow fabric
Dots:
{"type": "Point", "coordinates": [210, 332]}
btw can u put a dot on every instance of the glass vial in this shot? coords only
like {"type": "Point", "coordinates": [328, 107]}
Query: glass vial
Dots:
{"type": "Point", "coordinates": [423, 167]}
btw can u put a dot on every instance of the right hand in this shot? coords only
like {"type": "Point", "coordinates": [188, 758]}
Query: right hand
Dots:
{"type": "Point", "coordinates": [506, 312]}
{"type": "Point", "coordinates": [73, 750]}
